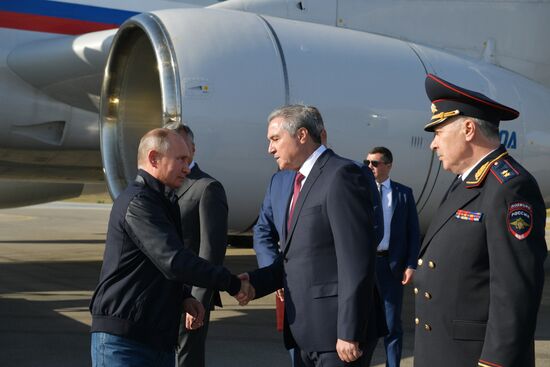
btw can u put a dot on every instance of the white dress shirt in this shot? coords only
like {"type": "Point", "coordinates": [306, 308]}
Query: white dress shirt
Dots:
{"type": "Point", "coordinates": [387, 209]}
{"type": "Point", "coordinates": [308, 165]}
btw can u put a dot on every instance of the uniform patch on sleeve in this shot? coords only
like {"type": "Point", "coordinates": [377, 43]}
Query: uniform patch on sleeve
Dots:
{"type": "Point", "coordinates": [520, 219]}
{"type": "Point", "coordinates": [503, 171]}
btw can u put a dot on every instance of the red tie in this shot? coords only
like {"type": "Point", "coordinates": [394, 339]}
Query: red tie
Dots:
{"type": "Point", "coordinates": [297, 187]}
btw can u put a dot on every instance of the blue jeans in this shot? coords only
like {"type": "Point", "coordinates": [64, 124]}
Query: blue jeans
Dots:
{"type": "Point", "coordinates": [109, 350]}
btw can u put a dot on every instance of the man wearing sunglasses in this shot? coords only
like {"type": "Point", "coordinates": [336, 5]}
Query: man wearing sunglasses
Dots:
{"type": "Point", "coordinates": [397, 251]}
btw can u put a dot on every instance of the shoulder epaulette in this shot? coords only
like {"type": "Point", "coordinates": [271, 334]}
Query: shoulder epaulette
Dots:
{"type": "Point", "coordinates": [482, 171]}
{"type": "Point", "coordinates": [503, 171]}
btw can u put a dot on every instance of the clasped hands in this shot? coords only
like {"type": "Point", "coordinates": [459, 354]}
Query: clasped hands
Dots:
{"type": "Point", "coordinates": [247, 292]}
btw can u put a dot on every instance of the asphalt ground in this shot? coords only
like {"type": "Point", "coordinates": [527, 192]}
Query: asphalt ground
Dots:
{"type": "Point", "coordinates": [50, 258]}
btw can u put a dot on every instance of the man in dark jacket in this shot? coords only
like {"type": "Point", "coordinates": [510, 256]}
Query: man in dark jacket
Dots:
{"type": "Point", "coordinates": [137, 305]}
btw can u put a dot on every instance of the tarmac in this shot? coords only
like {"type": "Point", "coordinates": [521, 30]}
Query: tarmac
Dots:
{"type": "Point", "coordinates": [50, 258]}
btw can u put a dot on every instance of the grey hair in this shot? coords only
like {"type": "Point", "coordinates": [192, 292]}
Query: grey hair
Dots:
{"type": "Point", "coordinates": [156, 139]}
{"type": "Point", "coordinates": [488, 129]}
{"type": "Point", "coordinates": [299, 116]}
{"type": "Point", "coordinates": [181, 128]}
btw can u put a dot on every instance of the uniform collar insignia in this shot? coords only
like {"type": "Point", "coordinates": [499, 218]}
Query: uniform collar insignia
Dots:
{"type": "Point", "coordinates": [484, 168]}
{"type": "Point", "coordinates": [481, 170]}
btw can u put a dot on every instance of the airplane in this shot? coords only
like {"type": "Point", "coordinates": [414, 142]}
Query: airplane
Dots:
{"type": "Point", "coordinates": [74, 106]}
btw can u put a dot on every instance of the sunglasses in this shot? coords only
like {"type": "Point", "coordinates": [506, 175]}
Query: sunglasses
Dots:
{"type": "Point", "coordinates": [366, 162]}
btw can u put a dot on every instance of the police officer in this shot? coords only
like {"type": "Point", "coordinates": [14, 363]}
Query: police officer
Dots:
{"type": "Point", "coordinates": [480, 270]}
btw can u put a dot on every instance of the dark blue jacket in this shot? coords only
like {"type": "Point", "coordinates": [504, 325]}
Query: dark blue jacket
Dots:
{"type": "Point", "coordinates": [404, 231]}
{"type": "Point", "coordinates": [328, 260]}
{"type": "Point", "coordinates": [145, 266]}
{"type": "Point", "coordinates": [272, 217]}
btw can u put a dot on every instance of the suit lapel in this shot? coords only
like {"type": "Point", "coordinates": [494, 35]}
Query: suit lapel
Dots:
{"type": "Point", "coordinates": [395, 197]}
{"type": "Point", "coordinates": [316, 171]}
{"type": "Point", "coordinates": [456, 200]}
{"type": "Point", "coordinates": [190, 180]}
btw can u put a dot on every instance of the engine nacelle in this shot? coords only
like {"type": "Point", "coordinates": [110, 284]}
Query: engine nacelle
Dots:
{"type": "Point", "coordinates": [222, 72]}
{"type": "Point", "coordinates": [16, 193]}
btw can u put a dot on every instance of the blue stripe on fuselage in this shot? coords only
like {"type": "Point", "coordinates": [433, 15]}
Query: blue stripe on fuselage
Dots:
{"type": "Point", "coordinates": [66, 10]}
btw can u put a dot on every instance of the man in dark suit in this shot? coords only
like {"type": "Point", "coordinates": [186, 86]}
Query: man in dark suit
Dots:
{"type": "Point", "coordinates": [271, 219]}
{"type": "Point", "coordinates": [481, 267]}
{"type": "Point", "coordinates": [203, 207]}
{"type": "Point", "coordinates": [398, 248]}
{"type": "Point", "coordinates": [328, 254]}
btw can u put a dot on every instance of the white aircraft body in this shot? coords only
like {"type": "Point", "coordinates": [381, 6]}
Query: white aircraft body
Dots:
{"type": "Point", "coordinates": [77, 93]}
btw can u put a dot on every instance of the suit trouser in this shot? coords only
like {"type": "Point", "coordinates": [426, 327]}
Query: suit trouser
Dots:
{"type": "Point", "coordinates": [331, 359]}
{"type": "Point", "coordinates": [190, 351]}
{"type": "Point", "coordinates": [391, 291]}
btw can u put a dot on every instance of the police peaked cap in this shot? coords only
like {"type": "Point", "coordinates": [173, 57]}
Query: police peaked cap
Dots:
{"type": "Point", "coordinates": [449, 100]}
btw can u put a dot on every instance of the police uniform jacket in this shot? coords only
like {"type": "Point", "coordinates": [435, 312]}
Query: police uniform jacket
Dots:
{"type": "Point", "coordinates": [480, 275]}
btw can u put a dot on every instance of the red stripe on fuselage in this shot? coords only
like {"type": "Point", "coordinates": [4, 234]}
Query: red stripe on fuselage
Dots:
{"type": "Point", "coordinates": [40, 23]}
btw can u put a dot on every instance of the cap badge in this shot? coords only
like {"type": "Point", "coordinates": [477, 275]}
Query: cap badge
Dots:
{"type": "Point", "coordinates": [444, 115]}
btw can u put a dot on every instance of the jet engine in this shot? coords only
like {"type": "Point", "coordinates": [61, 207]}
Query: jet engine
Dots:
{"type": "Point", "coordinates": [222, 72]}
{"type": "Point", "coordinates": [21, 193]}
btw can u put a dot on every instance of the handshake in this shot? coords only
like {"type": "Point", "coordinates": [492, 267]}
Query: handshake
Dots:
{"type": "Point", "coordinates": [194, 310]}
{"type": "Point", "coordinates": [247, 292]}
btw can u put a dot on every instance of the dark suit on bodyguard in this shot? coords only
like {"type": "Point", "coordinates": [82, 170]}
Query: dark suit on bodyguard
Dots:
{"type": "Point", "coordinates": [327, 261]}
{"type": "Point", "coordinates": [404, 230]}
{"type": "Point", "coordinates": [402, 253]}
{"type": "Point", "coordinates": [203, 207]}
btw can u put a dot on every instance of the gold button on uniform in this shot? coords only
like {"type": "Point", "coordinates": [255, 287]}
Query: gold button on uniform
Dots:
{"type": "Point", "coordinates": [416, 291]}
{"type": "Point", "coordinates": [420, 261]}
{"type": "Point", "coordinates": [427, 327]}
{"type": "Point", "coordinates": [417, 321]}
{"type": "Point", "coordinates": [431, 264]}
{"type": "Point", "coordinates": [427, 295]}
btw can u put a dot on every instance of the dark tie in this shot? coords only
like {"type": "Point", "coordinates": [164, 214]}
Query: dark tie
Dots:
{"type": "Point", "coordinates": [457, 181]}
{"type": "Point", "coordinates": [295, 194]}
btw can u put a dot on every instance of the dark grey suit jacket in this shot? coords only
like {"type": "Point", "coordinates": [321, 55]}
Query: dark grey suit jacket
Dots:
{"type": "Point", "coordinates": [328, 261]}
{"type": "Point", "coordinates": [203, 207]}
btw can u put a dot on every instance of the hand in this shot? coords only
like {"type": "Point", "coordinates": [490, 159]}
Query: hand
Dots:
{"type": "Point", "coordinates": [407, 276]}
{"type": "Point", "coordinates": [247, 292]}
{"type": "Point", "coordinates": [348, 351]}
{"type": "Point", "coordinates": [281, 294]}
{"type": "Point", "coordinates": [194, 316]}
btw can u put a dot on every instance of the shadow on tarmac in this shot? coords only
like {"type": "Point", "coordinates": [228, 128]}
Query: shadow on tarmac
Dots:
{"type": "Point", "coordinates": [50, 259]}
